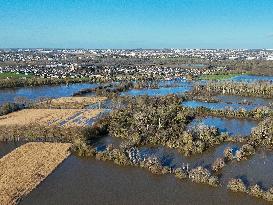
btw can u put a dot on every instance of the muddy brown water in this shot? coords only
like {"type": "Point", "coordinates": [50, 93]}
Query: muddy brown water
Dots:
{"type": "Point", "coordinates": [6, 148]}
{"type": "Point", "coordinates": [89, 181]}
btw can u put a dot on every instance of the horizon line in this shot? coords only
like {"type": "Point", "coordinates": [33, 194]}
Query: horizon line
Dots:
{"type": "Point", "coordinates": [79, 48]}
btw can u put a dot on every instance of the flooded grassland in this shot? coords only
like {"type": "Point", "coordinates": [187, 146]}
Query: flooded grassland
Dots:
{"type": "Point", "coordinates": [145, 146]}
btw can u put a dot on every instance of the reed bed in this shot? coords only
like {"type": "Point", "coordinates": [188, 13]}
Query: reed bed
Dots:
{"type": "Point", "coordinates": [46, 117]}
{"type": "Point", "coordinates": [26, 167]}
{"type": "Point", "coordinates": [70, 102]}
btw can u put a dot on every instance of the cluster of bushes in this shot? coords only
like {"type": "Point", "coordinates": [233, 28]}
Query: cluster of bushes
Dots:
{"type": "Point", "coordinates": [260, 137]}
{"type": "Point", "coordinates": [145, 84]}
{"type": "Point", "coordinates": [38, 133]}
{"type": "Point", "coordinates": [154, 84]}
{"type": "Point", "coordinates": [114, 89]}
{"type": "Point", "coordinates": [202, 175]}
{"type": "Point", "coordinates": [202, 98]}
{"type": "Point", "coordinates": [162, 121]}
{"type": "Point", "coordinates": [23, 82]}
{"type": "Point", "coordinates": [128, 155]}
{"type": "Point", "coordinates": [258, 113]}
{"type": "Point", "coordinates": [85, 91]}
{"type": "Point", "coordinates": [254, 67]}
{"type": "Point", "coordinates": [257, 89]}
{"type": "Point", "coordinates": [8, 108]}
{"type": "Point", "coordinates": [52, 133]}
{"type": "Point", "coordinates": [237, 185]}
{"type": "Point", "coordinates": [218, 164]}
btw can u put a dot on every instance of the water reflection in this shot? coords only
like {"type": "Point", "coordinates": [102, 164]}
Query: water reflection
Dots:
{"type": "Point", "coordinates": [88, 181]}
{"type": "Point", "coordinates": [8, 94]}
{"type": "Point", "coordinates": [234, 127]}
{"type": "Point", "coordinates": [251, 78]}
{"type": "Point", "coordinates": [231, 102]}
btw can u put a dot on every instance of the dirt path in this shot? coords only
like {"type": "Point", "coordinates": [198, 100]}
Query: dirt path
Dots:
{"type": "Point", "coordinates": [25, 167]}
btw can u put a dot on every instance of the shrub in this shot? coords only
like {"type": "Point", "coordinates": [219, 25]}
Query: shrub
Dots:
{"type": "Point", "coordinates": [218, 164]}
{"type": "Point", "coordinates": [180, 173]}
{"type": "Point", "coordinates": [236, 185]}
{"type": "Point", "coordinates": [245, 151]}
{"type": "Point", "coordinates": [228, 154]}
{"type": "Point", "coordinates": [268, 195]}
{"type": "Point", "coordinates": [256, 191]}
{"type": "Point", "coordinates": [202, 175]}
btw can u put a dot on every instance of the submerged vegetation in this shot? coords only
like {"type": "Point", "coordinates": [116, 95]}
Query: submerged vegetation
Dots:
{"type": "Point", "coordinates": [218, 76]}
{"type": "Point", "coordinates": [162, 121]}
{"type": "Point", "coordinates": [34, 81]}
{"type": "Point", "coordinates": [8, 108]}
{"type": "Point", "coordinates": [146, 121]}
{"type": "Point", "coordinates": [257, 89]}
{"type": "Point", "coordinates": [238, 185]}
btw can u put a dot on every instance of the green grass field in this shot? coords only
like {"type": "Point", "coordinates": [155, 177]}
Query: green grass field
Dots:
{"type": "Point", "coordinates": [13, 75]}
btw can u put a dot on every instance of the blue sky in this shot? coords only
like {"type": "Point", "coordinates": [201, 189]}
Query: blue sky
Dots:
{"type": "Point", "coordinates": [136, 23]}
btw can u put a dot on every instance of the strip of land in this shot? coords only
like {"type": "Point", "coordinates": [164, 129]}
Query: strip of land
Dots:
{"type": "Point", "coordinates": [25, 167]}
{"type": "Point", "coordinates": [46, 117]}
{"type": "Point", "coordinates": [72, 102]}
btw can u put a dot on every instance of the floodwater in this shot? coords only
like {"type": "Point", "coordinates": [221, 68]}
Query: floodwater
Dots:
{"type": "Point", "coordinates": [246, 102]}
{"type": "Point", "coordinates": [234, 127]}
{"type": "Point", "coordinates": [231, 102]}
{"type": "Point", "coordinates": [251, 78]}
{"type": "Point", "coordinates": [172, 158]}
{"type": "Point", "coordinates": [165, 88]}
{"type": "Point", "coordinates": [157, 92]}
{"type": "Point", "coordinates": [7, 147]}
{"type": "Point", "coordinates": [258, 169]}
{"type": "Point", "coordinates": [54, 91]}
{"type": "Point", "coordinates": [89, 181]}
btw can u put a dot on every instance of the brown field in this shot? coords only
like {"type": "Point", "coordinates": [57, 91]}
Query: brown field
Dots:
{"type": "Point", "coordinates": [71, 102]}
{"type": "Point", "coordinates": [25, 167]}
{"type": "Point", "coordinates": [46, 117]}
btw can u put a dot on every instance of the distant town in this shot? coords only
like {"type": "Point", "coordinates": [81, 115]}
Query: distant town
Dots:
{"type": "Point", "coordinates": [109, 63]}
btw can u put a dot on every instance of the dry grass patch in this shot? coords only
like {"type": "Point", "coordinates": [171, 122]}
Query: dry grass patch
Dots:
{"type": "Point", "coordinates": [25, 167]}
{"type": "Point", "coordinates": [46, 117]}
{"type": "Point", "coordinates": [71, 102]}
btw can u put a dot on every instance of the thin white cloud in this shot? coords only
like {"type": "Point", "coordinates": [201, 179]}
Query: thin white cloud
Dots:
{"type": "Point", "coordinates": [270, 35]}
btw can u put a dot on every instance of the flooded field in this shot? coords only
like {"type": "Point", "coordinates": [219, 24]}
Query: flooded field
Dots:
{"type": "Point", "coordinates": [8, 95]}
{"type": "Point", "coordinates": [165, 88]}
{"type": "Point", "coordinates": [251, 78]}
{"type": "Point", "coordinates": [255, 170]}
{"type": "Point", "coordinates": [231, 102]}
{"type": "Point", "coordinates": [246, 102]}
{"type": "Point", "coordinates": [85, 181]}
{"type": "Point", "coordinates": [234, 127]}
{"type": "Point", "coordinates": [157, 92]}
